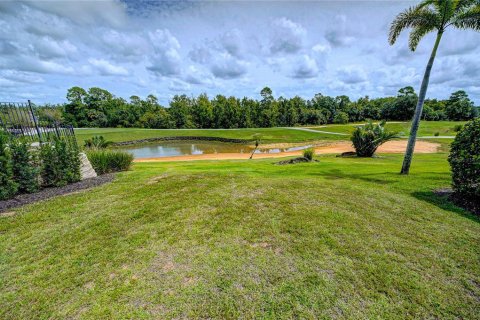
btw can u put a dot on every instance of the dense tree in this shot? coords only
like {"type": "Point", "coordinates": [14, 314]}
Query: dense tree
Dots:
{"type": "Point", "coordinates": [403, 107]}
{"type": "Point", "coordinates": [460, 107]}
{"type": "Point", "coordinates": [180, 111]}
{"type": "Point", "coordinates": [423, 18]}
{"type": "Point", "coordinates": [99, 108]}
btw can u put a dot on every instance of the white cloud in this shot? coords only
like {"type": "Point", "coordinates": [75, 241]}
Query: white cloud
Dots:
{"type": "Point", "coordinates": [198, 76]}
{"type": "Point", "coordinates": [225, 66]}
{"type": "Point", "coordinates": [47, 48]}
{"type": "Point", "coordinates": [33, 64]}
{"type": "Point", "coordinates": [108, 12]}
{"type": "Point", "coordinates": [201, 47]}
{"type": "Point", "coordinates": [106, 68]}
{"type": "Point", "coordinates": [121, 44]}
{"type": "Point", "coordinates": [233, 42]}
{"type": "Point", "coordinates": [337, 35]}
{"type": "Point", "coordinates": [287, 36]}
{"type": "Point", "coordinates": [352, 74]}
{"type": "Point", "coordinates": [178, 85]}
{"type": "Point", "coordinates": [165, 60]}
{"type": "Point", "coordinates": [304, 67]}
{"type": "Point", "coordinates": [200, 54]}
{"type": "Point", "coordinates": [19, 76]}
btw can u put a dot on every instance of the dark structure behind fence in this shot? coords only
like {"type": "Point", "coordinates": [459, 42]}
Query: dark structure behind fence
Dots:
{"type": "Point", "coordinates": [21, 119]}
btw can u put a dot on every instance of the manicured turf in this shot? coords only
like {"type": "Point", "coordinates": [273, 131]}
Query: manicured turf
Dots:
{"type": "Point", "coordinates": [271, 135]}
{"type": "Point", "coordinates": [341, 238]}
{"type": "Point", "coordinates": [268, 135]}
{"type": "Point", "coordinates": [427, 128]}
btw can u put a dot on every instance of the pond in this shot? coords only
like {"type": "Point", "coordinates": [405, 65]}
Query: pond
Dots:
{"type": "Point", "coordinates": [181, 148]}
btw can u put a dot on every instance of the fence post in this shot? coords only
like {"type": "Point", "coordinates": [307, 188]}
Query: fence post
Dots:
{"type": "Point", "coordinates": [35, 121]}
{"type": "Point", "coordinates": [55, 125]}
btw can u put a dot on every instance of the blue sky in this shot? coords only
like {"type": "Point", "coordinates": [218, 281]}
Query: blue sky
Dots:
{"type": "Point", "coordinates": [229, 47]}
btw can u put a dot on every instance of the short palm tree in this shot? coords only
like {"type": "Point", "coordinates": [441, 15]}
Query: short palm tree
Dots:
{"type": "Point", "coordinates": [97, 142]}
{"type": "Point", "coordinates": [428, 16]}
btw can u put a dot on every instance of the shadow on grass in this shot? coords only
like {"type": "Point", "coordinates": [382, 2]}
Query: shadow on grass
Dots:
{"type": "Point", "coordinates": [370, 177]}
{"type": "Point", "coordinates": [443, 202]}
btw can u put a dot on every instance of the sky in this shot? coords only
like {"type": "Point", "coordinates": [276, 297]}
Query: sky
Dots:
{"type": "Point", "coordinates": [222, 47]}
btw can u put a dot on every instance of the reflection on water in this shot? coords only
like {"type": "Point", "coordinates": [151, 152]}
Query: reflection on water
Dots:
{"type": "Point", "coordinates": [180, 148]}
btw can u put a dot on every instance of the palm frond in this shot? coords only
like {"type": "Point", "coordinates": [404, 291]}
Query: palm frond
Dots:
{"type": "Point", "coordinates": [469, 19]}
{"type": "Point", "coordinates": [461, 5]}
{"type": "Point", "coordinates": [427, 3]}
{"type": "Point", "coordinates": [417, 34]}
{"type": "Point", "coordinates": [411, 18]}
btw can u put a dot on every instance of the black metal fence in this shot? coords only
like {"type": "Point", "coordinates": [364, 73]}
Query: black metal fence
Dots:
{"type": "Point", "coordinates": [21, 119]}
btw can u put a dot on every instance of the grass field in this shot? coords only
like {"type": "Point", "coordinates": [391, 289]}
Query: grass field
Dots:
{"type": "Point", "coordinates": [341, 238]}
{"type": "Point", "coordinates": [427, 128]}
{"type": "Point", "coordinates": [269, 135]}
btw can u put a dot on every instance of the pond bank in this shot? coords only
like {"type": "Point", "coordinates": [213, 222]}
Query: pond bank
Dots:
{"type": "Point", "coordinates": [397, 146]}
{"type": "Point", "coordinates": [179, 138]}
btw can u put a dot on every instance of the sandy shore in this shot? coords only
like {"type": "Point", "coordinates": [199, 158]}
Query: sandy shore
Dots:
{"type": "Point", "coordinates": [397, 146]}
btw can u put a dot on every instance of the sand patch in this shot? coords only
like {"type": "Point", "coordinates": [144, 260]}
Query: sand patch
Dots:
{"type": "Point", "coordinates": [396, 146]}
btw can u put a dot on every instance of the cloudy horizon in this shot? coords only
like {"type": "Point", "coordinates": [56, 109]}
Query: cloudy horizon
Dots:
{"type": "Point", "coordinates": [232, 48]}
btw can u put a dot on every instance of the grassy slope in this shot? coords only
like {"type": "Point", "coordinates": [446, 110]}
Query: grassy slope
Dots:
{"type": "Point", "coordinates": [343, 238]}
{"type": "Point", "coordinates": [427, 128]}
{"type": "Point", "coordinates": [269, 135]}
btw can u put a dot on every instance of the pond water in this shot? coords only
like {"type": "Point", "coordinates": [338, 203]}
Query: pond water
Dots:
{"type": "Point", "coordinates": [180, 148]}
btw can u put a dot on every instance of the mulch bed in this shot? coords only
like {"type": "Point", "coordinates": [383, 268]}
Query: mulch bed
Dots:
{"type": "Point", "coordinates": [23, 199]}
{"type": "Point", "coordinates": [295, 160]}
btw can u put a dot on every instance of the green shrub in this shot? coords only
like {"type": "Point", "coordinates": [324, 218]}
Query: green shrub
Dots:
{"type": "Point", "coordinates": [367, 138]}
{"type": "Point", "coordinates": [60, 162]}
{"type": "Point", "coordinates": [465, 162]}
{"type": "Point", "coordinates": [309, 153]}
{"type": "Point", "coordinates": [436, 134]}
{"type": "Point", "coordinates": [97, 142]}
{"type": "Point", "coordinates": [340, 118]}
{"type": "Point", "coordinates": [106, 161]}
{"type": "Point", "coordinates": [8, 187]}
{"type": "Point", "coordinates": [457, 127]}
{"type": "Point", "coordinates": [25, 167]}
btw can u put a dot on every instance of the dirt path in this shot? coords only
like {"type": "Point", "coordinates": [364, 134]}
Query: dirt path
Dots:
{"type": "Point", "coordinates": [397, 146]}
{"type": "Point", "coordinates": [317, 131]}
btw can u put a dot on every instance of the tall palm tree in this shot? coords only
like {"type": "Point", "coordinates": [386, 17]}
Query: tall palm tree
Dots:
{"type": "Point", "coordinates": [428, 16]}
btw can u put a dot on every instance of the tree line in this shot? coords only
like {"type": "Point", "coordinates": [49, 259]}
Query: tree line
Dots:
{"type": "Point", "coordinates": [97, 107]}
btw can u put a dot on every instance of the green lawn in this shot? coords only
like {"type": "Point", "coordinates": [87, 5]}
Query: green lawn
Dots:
{"type": "Point", "coordinates": [269, 135]}
{"type": "Point", "coordinates": [427, 128]}
{"type": "Point", "coordinates": [341, 238]}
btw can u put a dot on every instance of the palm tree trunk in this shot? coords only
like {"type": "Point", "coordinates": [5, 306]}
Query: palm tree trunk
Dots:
{"type": "Point", "coordinates": [407, 160]}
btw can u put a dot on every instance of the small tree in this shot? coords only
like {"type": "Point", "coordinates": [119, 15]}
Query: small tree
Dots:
{"type": "Point", "coordinates": [97, 142]}
{"type": "Point", "coordinates": [309, 153]}
{"type": "Point", "coordinates": [459, 107]}
{"type": "Point", "coordinates": [465, 162]}
{"type": "Point", "coordinates": [257, 138]}
{"type": "Point", "coordinates": [367, 138]}
{"type": "Point", "coordinates": [25, 172]}
{"type": "Point", "coordinates": [8, 187]}
{"type": "Point", "coordinates": [60, 163]}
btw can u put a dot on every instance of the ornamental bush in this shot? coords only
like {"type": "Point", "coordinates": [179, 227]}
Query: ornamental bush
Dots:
{"type": "Point", "coordinates": [8, 187]}
{"type": "Point", "coordinates": [97, 142]}
{"type": "Point", "coordinates": [465, 163]}
{"type": "Point", "coordinates": [367, 138]}
{"type": "Point", "coordinates": [25, 167]}
{"type": "Point", "coordinates": [60, 163]}
{"type": "Point", "coordinates": [309, 153]}
{"type": "Point", "coordinates": [106, 161]}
